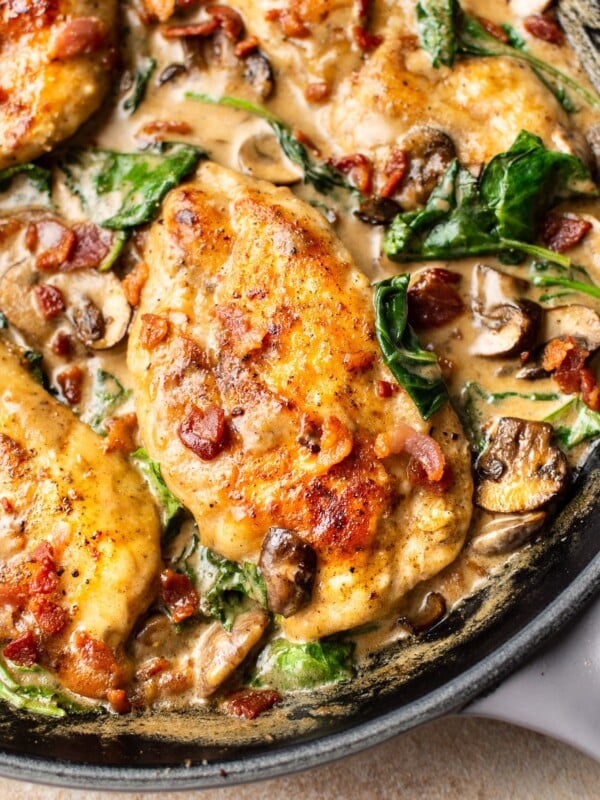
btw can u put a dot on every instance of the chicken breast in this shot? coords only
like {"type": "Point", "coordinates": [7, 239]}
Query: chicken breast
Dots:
{"type": "Point", "coordinates": [55, 60]}
{"type": "Point", "coordinates": [79, 543]}
{"type": "Point", "coordinates": [256, 370]}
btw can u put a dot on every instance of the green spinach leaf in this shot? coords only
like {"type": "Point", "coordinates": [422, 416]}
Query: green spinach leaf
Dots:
{"type": "Point", "coordinates": [416, 370]}
{"type": "Point", "coordinates": [109, 394]}
{"type": "Point", "coordinates": [287, 666]}
{"type": "Point", "coordinates": [151, 470]}
{"type": "Point", "coordinates": [37, 698]}
{"type": "Point", "coordinates": [436, 28]}
{"type": "Point", "coordinates": [543, 273]}
{"type": "Point", "coordinates": [122, 190]}
{"type": "Point", "coordinates": [29, 184]}
{"type": "Point", "coordinates": [143, 72]}
{"type": "Point", "coordinates": [574, 423]}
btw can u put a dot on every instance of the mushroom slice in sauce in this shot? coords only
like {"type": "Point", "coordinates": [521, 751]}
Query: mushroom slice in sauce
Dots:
{"type": "Point", "coordinates": [222, 651]}
{"type": "Point", "coordinates": [575, 320]}
{"type": "Point", "coordinates": [521, 469]}
{"type": "Point", "coordinates": [261, 156]}
{"type": "Point", "coordinates": [95, 304]}
{"type": "Point", "coordinates": [430, 152]}
{"type": "Point", "coordinates": [507, 325]}
{"type": "Point", "coordinates": [288, 566]}
{"type": "Point", "coordinates": [503, 534]}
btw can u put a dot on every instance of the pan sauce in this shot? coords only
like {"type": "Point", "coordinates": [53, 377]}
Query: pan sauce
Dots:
{"type": "Point", "coordinates": [349, 123]}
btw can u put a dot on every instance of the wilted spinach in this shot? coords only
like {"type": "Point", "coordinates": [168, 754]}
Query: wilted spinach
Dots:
{"type": "Point", "coordinates": [35, 188]}
{"type": "Point", "coordinates": [416, 370]}
{"type": "Point", "coordinates": [574, 423]}
{"type": "Point", "coordinates": [109, 394]}
{"type": "Point", "coordinates": [288, 666]}
{"type": "Point", "coordinates": [544, 274]}
{"type": "Point", "coordinates": [143, 72]}
{"type": "Point", "coordinates": [497, 214]}
{"type": "Point", "coordinates": [38, 699]}
{"type": "Point", "coordinates": [151, 470]}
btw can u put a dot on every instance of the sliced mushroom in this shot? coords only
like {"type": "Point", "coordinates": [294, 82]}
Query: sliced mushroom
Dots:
{"type": "Point", "coordinates": [576, 320]}
{"type": "Point", "coordinates": [95, 304]}
{"type": "Point", "coordinates": [503, 534]}
{"type": "Point", "coordinates": [288, 565]}
{"type": "Point", "coordinates": [378, 210]}
{"type": "Point", "coordinates": [262, 157]}
{"type": "Point", "coordinates": [430, 610]}
{"type": "Point", "coordinates": [430, 152]}
{"type": "Point", "coordinates": [521, 469]}
{"type": "Point", "coordinates": [259, 74]}
{"type": "Point", "coordinates": [508, 325]}
{"type": "Point", "coordinates": [222, 651]}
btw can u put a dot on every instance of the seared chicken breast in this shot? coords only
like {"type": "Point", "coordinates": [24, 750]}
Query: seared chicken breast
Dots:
{"type": "Point", "coordinates": [79, 543]}
{"type": "Point", "coordinates": [55, 59]}
{"type": "Point", "coordinates": [256, 374]}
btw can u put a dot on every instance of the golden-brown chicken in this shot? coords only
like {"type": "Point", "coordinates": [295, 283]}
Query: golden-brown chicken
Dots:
{"type": "Point", "coordinates": [257, 371]}
{"type": "Point", "coordinates": [55, 60]}
{"type": "Point", "coordinates": [79, 543]}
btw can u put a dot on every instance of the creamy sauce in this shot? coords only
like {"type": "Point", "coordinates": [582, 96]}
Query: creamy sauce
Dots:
{"type": "Point", "coordinates": [353, 118]}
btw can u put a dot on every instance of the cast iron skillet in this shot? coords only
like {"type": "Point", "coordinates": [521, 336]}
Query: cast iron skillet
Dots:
{"type": "Point", "coordinates": [480, 643]}
{"type": "Point", "coordinates": [466, 655]}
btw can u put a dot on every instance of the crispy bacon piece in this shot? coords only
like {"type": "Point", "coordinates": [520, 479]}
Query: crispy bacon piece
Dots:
{"type": "Point", "coordinates": [92, 245]}
{"type": "Point", "coordinates": [245, 47]}
{"type": "Point", "coordinates": [158, 129]}
{"type": "Point", "coordinates": [23, 650]}
{"type": "Point", "coordinates": [417, 475]}
{"type": "Point", "coordinates": [204, 432]}
{"type": "Point", "coordinates": [98, 671]}
{"type": "Point", "coordinates": [404, 439]}
{"type": "Point", "coordinates": [318, 92]}
{"type": "Point", "coordinates": [62, 344]}
{"type": "Point", "coordinates": [249, 703]}
{"type": "Point", "coordinates": [80, 36]}
{"type": "Point", "coordinates": [54, 241]}
{"type": "Point", "coordinates": [364, 40]}
{"type": "Point", "coordinates": [544, 27]}
{"type": "Point", "coordinates": [384, 389]}
{"type": "Point", "coordinates": [290, 22]}
{"type": "Point", "coordinates": [49, 299]}
{"type": "Point", "coordinates": [559, 232]}
{"type": "Point", "coordinates": [229, 21]}
{"type": "Point", "coordinates": [394, 170]}
{"type": "Point", "coordinates": [49, 615]}
{"type": "Point", "coordinates": [70, 381]}
{"type": "Point", "coordinates": [121, 434]}
{"type": "Point", "coordinates": [119, 701]}
{"type": "Point", "coordinates": [358, 167]}
{"type": "Point", "coordinates": [178, 594]}
{"type": "Point", "coordinates": [494, 30]}
{"type": "Point", "coordinates": [133, 283]}
{"type": "Point", "coordinates": [567, 362]}
{"type": "Point", "coordinates": [155, 329]}
{"type": "Point", "coordinates": [205, 28]}
{"type": "Point", "coordinates": [433, 300]}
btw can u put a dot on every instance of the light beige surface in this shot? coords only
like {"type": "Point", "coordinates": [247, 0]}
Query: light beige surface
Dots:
{"type": "Point", "coordinates": [452, 759]}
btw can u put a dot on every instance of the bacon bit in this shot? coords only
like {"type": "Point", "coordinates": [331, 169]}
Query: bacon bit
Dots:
{"type": "Point", "coordinates": [304, 139]}
{"type": "Point", "coordinates": [49, 615]}
{"type": "Point", "coordinates": [45, 580]}
{"type": "Point", "coordinates": [417, 475]}
{"type": "Point", "coordinates": [203, 29]}
{"type": "Point", "coordinates": [395, 170]}
{"type": "Point", "coordinates": [358, 167]}
{"type": "Point", "coordinates": [23, 650]}
{"type": "Point", "coordinates": [92, 245]}
{"type": "Point", "coordinates": [12, 456]}
{"type": "Point", "coordinates": [160, 129]}
{"type": "Point", "coordinates": [62, 344]}
{"type": "Point", "coordinates": [7, 506]}
{"type": "Point", "coordinates": [121, 434]}
{"type": "Point", "coordinates": [204, 432]}
{"type": "Point", "coordinates": [544, 27]}
{"type": "Point", "coordinates": [245, 47]}
{"type": "Point", "coordinates": [70, 381]}
{"type": "Point", "coordinates": [42, 553]}
{"type": "Point", "coordinates": [50, 300]}
{"type": "Point", "coordinates": [15, 595]}
{"type": "Point", "coordinates": [97, 655]}
{"type": "Point", "coordinates": [31, 237]}
{"type": "Point", "coordinates": [364, 40]}
{"type": "Point", "coordinates": [3, 95]}
{"type": "Point", "coordinates": [559, 232]}
{"type": "Point", "coordinates": [318, 92]}
{"type": "Point", "coordinates": [154, 330]}
{"type": "Point", "coordinates": [56, 242]}
{"type": "Point", "coordinates": [80, 36]}
{"type": "Point", "coordinates": [178, 594]}
{"type": "Point", "coordinates": [384, 389]}
{"type": "Point", "coordinates": [432, 300]}
{"type": "Point", "coordinates": [359, 362]}
{"type": "Point", "coordinates": [290, 22]}
{"type": "Point", "coordinates": [404, 439]}
{"type": "Point", "coordinates": [250, 703]}
{"type": "Point", "coordinates": [567, 362]}
{"type": "Point", "coordinates": [119, 701]}
{"type": "Point", "coordinates": [229, 21]}
{"type": "Point", "coordinates": [133, 283]}
{"type": "Point", "coordinates": [590, 390]}
{"type": "Point", "coordinates": [494, 30]}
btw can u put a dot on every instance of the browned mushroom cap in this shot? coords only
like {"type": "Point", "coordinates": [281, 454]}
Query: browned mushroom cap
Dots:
{"type": "Point", "coordinates": [521, 469]}
{"type": "Point", "coordinates": [508, 325]}
{"type": "Point", "coordinates": [501, 534]}
{"type": "Point", "coordinates": [288, 565]}
{"type": "Point", "coordinates": [222, 651]}
{"type": "Point", "coordinates": [578, 321]}
{"type": "Point", "coordinates": [261, 156]}
{"type": "Point", "coordinates": [430, 152]}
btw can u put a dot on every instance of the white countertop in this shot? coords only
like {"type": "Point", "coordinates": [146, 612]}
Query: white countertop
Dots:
{"type": "Point", "coordinates": [451, 759]}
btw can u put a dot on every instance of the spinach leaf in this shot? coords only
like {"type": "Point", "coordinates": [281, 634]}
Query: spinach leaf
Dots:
{"type": "Point", "coordinates": [38, 699]}
{"type": "Point", "coordinates": [574, 423]}
{"type": "Point", "coordinates": [143, 73]}
{"type": "Point", "coordinates": [544, 274]}
{"type": "Point", "coordinates": [33, 361]}
{"type": "Point", "coordinates": [436, 29]}
{"type": "Point", "coordinates": [170, 505]}
{"type": "Point", "coordinates": [499, 214]}
{"type": "Point", "coordinates": [287, 666]}
{"type": "Point", "coordinates": [319, 174]}
{"type": "Point", "coordinates": [416, 370]}
{"type": "Point", "coordinates": [34, 186]}
{"type": "Point", "coordinates": [224, 586]}
{"type": "Point", "coordinates": [122, 190]}
{"type": "Point", "coordinates": [109, 394]}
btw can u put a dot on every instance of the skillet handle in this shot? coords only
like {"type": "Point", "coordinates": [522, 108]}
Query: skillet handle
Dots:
{"type": "Point", "coordinates": [558, 691]}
